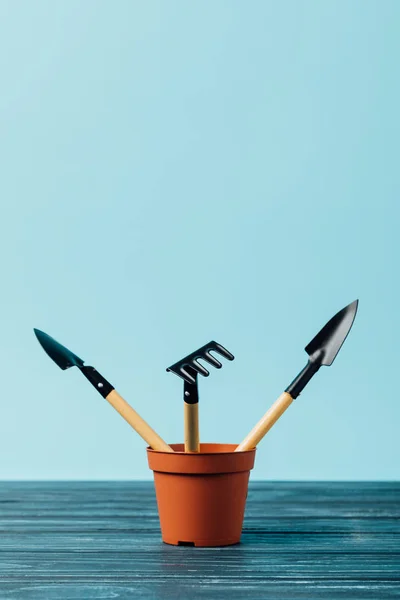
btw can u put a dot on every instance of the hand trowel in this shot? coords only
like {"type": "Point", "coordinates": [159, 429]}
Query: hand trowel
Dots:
{"type": "Point", "coordinates": [65, 359]}
{"type": "Point", "coordinates": [322, 350]}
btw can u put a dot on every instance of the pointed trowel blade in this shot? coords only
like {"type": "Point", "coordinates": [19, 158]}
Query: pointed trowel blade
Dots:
{"type": "Point", "coordinates": [63, 357]}
{"type": "Point", "coordinates": [327, 343]}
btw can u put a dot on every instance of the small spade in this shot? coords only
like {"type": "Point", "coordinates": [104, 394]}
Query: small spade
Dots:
{"type": "Point", "coordinates": [65, 359]}
{"type": "Point", "coordinates": [322, 350]}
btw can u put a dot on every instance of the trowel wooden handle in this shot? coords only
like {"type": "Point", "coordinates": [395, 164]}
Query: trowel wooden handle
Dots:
{"type": "Point", "coordinates": [139, 425]}
{"type": "Point", "coordinates": [191, 426]}
{"type": "Point", "coordinates": [265, 424]}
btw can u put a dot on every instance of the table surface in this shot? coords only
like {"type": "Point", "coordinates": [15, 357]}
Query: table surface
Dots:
{"type": "Point", "coordinates": [75, 540]}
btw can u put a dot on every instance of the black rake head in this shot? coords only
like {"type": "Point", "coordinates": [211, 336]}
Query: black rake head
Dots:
{"type": "Point", "coordinates": [189, 367]}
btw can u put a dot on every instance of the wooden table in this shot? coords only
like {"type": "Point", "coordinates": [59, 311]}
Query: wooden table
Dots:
{"type": "Point", "coordinates": [102, 540]}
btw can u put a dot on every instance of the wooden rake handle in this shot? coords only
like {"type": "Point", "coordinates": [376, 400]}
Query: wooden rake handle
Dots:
{"type": "Point", "coordinates": [265, 424]}
{"type": "Point", "coordinates": [191, 427]}
{"type": "Point", "coordinates": [139, 425]}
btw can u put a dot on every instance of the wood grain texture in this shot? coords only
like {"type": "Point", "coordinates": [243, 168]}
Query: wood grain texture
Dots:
{"type": "Point", "coordinates": [74, 540]}
{"type": "Point", "coordinates": [135, 420]}
{"type": "Point", "coordinates": [259, 430]}
{"type": "Point", "coordinates": [191, 427]}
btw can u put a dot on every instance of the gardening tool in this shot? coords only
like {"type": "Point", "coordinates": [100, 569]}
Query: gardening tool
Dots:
{"type": "Point", "coordinates": [65, 359]}
{"type": "Point", "coordinates": [188, 368]}
{"type": "Point", "coordinates": [322, 350]}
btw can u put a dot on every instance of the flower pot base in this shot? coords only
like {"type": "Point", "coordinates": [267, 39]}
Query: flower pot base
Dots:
{"type": "Point", "coordinates": [202, 543]}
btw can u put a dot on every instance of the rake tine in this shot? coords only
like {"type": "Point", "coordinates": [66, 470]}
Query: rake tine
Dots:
{"type": "Point", "coordinates": [199, 368]}
{"type": "Point", "coordinates": [221, 350]}
{"type": "Point", "coordinates": [212, 360]}
{"type": "Point", "coordinates": [186, 375]}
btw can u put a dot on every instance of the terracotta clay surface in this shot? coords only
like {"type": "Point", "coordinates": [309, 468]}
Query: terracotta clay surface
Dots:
{"type": "Point", "coordinates": [201, 496]}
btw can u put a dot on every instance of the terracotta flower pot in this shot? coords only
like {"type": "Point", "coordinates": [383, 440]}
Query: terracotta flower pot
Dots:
{"type": "Point", "coordinates": [201, 496]}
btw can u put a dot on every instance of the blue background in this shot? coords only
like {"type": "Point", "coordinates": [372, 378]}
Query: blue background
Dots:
{"type": "Point", "coordinates": [175, 172]}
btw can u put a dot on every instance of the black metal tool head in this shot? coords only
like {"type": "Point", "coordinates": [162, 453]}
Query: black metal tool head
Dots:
{"type": "Point", "coordinates": [325, 346]}
{"type": "Point", "coordinates": [63, 357]}
{"type": "Point", "coordinates": [189, 367]}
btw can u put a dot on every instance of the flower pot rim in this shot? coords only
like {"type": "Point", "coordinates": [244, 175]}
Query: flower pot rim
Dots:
{"type": "Point", "coordinates": [205, 453]}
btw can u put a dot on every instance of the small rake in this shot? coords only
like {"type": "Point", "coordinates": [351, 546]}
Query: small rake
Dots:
{"type": "Point", "coordinates": [188, 368]}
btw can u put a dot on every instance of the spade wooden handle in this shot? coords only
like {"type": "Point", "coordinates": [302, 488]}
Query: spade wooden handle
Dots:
{"type": "Point", "coordinates": [131, 416]}
{"type": "Point", "coordinates": [265, 424]}
{"type": "Point", "coordinates": [191, 427]}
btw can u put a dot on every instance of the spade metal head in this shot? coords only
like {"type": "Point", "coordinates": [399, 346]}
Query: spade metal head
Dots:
{"type": "Point", "coordinates": [63, 357]}
{"type": "Point", "coordinates": [189, 367]}
{"type": "Point", "coordinates": [327, 343]}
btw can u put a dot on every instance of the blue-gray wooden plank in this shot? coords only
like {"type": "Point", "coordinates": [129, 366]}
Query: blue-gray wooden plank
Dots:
{"type": "Point", "coordinates": [75, 540]}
